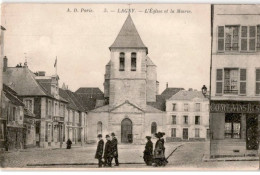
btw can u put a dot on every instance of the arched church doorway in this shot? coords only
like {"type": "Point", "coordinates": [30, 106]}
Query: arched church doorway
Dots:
{"type": "Point", "coordinates": [126, 131]}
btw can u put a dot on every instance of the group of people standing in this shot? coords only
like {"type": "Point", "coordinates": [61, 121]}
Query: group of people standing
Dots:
{"type": "Point", "coordinates": [151, 157]}
{"type": "Point", "coordinates": [110, 152]}
{"type": "Point", "coordinates": [155, 157]}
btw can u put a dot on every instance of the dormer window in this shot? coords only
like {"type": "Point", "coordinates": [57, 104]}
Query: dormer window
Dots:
{"type": "Point", "coordinates": [122, 62]}
{"type": "Point", "coordinates": [133, 61]}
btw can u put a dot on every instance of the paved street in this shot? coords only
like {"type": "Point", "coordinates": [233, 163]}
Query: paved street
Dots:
{"type": "Point", "coordinates": [188, 156]}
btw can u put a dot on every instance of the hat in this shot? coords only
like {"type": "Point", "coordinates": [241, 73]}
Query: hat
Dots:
{"type": "Point", "coordinates": [148, 137]}
{"type": "Point", "coordinates": [99, 135]}
{"type": "Point", "coordinates": [158, 135]}
{"type": "Point", "coordinates": [107, 136]}
{"type": "Point", "coordinates": [113, 134]}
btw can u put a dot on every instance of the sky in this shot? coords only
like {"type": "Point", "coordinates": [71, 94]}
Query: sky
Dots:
{"type": "Point", "coordinates": [178, 43]}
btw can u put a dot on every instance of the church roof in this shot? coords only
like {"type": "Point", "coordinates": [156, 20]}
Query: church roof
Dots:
{"type": "Point", "coordinates": [149, 62]}
{"type": "Point", "coordinates": [128, 36]}
{"type": "Point", "coordinates": [151, 109]}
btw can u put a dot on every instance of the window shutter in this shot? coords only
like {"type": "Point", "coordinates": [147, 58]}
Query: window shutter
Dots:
{"type": "Point", "coordinates": [242, 81]}
{"type": "Point", "coordinates": [244, 38]}
{"type": "Point", "coordinates": [221, 38]}
{"type": "Point", "coordinates": [258, 38]}
{"type": "Point", "coordinates": [252, 34]}
{"type": "Point", "coordinates": [219, 81]}
{"type": "Point", "coordinates": [257, 87]}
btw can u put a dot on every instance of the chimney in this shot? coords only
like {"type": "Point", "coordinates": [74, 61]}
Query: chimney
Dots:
{"type": "Point", "coordinates": [5, 64]}
{"type": "Point", "coordinates": [166, 85]}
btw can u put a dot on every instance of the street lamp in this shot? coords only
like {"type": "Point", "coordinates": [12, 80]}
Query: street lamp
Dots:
{"type": "Point", "coordinates": [204, 90]}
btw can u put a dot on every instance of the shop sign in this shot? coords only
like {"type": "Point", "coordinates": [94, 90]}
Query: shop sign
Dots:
{"type": "Point", "coordinates": [234, 107]}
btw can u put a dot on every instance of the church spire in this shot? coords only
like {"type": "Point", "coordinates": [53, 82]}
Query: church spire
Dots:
{"type": "Point", "coordinates": [128, 36]}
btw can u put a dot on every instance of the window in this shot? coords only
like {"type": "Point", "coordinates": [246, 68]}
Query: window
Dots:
{"type": "Point", "coordinates": [197, 132]}
{"type": "Point", "coordinates": [257, 87]}
{"type": "Point", "coordinates": [2, 133]}
{"type": "Point", "coordinates": [174, 119]}
{"type": "Point", "coordinates": [173, 132]}
{"type": "Point", "coordinates": [186, 107]}
{"type": "Point", "coordinates": [153, 128]}
{"type": "Point", "coordinates": [232, 125]}
{"type": "Point", "coordinates": [56, 109]}
{"type": "Point", "coordinates": [73, 117]}
{"type": "Point", "coordinates": [185, 119]}
{"type": "Point", "coordinates": [197, 107]}
{"type": "Point", "coordinates": [14, 114]}
{"type": "Point", "coordinates": [133, 61]}
{"type": "Point", "coordinates": [174, 107]}
{"type": "Point", "coordinates": [122, 61]}
{"type": "Point", "coordinates": [49, 107]}
{"type": "Point", "coordinates": [29, 104]}
{"type": "Point", "coordinates": [258, 38]}
{"type": "Point", "coordinates": [231, 81]}
{"type": "Point", "coordinates": [99, 127]}
{"type": "Point", "coordinates": [197, 120]}
{"type": "Point", "coordinates": [231, 38]}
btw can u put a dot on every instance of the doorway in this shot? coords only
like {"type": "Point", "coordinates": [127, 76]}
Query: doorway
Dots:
{"type": "Point", "coordinates": [126, 131]}
{"type": "Point", "coordinates": [185, 134]}
{"type": "Point", "coordinates": [251, 132]}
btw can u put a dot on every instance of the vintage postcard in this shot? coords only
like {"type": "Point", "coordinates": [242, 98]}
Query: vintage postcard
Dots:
{"type": "Point", "coordinates": [130, 86]}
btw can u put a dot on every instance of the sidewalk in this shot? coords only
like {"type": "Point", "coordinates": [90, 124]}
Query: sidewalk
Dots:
{"type": "Point", "coordinates": [206, 158]}
{"type": "Point", "coordinates": [128, 154]}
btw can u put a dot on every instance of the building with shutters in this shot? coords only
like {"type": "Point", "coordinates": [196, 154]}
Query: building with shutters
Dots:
{"type": "Point", "coordinates": [130, 85]}
{"type": "Point", "coordinates": [235, 80]}
{"type": "Point", "coordinates": [187, 116]}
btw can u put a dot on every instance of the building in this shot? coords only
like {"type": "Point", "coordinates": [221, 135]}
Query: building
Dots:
{"type": "Point", "coordinates": [130, 84]}
{"type": "Point", "coordinates": [12, 131]}
{"type": "Point", "coordinates": [91, 97]}
{"type": "Point", "coordinates": [40, 94]}
{"type": "Point", "coordinates": [75, 117]}
{"type": "Point", "coordinates": [2, 120]}
{"type": "Point", "coordinates": [187, 116]}
{"type": "Point", "coordinates": [235, 80]}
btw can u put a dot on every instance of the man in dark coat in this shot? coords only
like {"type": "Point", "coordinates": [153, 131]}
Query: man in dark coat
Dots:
{"type": "Point", "coordinates": [69, 143]}
{"type": "Point", "coordinates": [99, 152]}
{"type": "Point", "coordinates": [108, 152]}
{"type": "Point", "coordinates": [148, 152]}
{"type": "Point", "coordinates": [114, 148]}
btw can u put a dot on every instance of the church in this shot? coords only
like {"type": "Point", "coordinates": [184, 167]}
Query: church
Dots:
{"type": "Point", "coordinates": [130, 86]}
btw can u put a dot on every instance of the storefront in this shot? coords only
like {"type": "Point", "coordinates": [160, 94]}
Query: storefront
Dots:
{"type": "Point", "coordinates": [234, 128]}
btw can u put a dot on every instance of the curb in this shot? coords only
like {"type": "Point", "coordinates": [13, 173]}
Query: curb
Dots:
{"type": "Point", "coordinates": [206, 158]}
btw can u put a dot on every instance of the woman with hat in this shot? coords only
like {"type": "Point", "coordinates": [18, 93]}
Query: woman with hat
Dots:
{"type": "Point", "coordinates": [159, 151]}
{"type": "Point", "coordinates": [148, 152]}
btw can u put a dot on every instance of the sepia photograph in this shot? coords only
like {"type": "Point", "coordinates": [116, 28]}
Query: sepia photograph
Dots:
{"type": "Point", "coordinates": [110, 87]}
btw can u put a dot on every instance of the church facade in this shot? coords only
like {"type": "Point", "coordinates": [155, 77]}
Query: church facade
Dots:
{"type": "Point", "coordinates": [130, 85]}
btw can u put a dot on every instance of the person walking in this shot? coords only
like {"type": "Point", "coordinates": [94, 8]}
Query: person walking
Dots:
{"type": "Point", "coordinates": [114, 148]}
{"type": "Point", "coordinates": [99, 152]}
{"type": "Point", "coordinates": [108, 152]}
{"type": "Point", "coordinates": [148, 152]}
{"type": "Point", "coordinates": [159, 156]}
{"type": "Point", "coordinates": [69, 143]}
